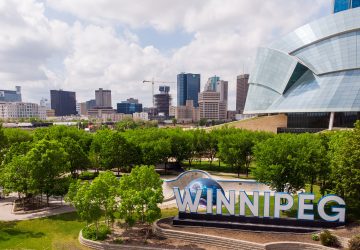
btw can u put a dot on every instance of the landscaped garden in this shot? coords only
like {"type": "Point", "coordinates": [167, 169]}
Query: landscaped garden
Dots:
{"type": "Point", "coordinates": [67, 162]}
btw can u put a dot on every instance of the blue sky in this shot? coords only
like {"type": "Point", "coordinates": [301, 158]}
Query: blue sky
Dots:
{"type": "Point", "coordinates": [86, 44]}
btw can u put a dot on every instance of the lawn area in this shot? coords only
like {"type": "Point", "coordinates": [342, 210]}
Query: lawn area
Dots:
{"type": "Point", "coordinates": [58, 232]}
{"type": "Point", "coordinates": [55, 232]}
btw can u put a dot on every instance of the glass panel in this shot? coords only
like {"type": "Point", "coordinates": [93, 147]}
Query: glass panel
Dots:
{"type": "Point", "coordinates": [341, 5]}
{"type": "Point", "coordinates": [355, 3]}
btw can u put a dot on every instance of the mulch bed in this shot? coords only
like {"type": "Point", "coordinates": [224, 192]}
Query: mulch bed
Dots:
{"type": "Point", "coordinates": [135, 237]}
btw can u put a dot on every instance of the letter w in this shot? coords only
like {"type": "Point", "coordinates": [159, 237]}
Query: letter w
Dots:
{"type": "Point", "coordinates": [182, 203]}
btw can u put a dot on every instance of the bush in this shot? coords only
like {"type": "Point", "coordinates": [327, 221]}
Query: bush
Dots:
{"type": "Point", "coordinates": [88, 175]}
{"type": "Point", "coordinates": [90, 232]}
{"type": "Point", "coordinates": [354, 243]}
{"type": "Point", "coordinates": [315, 237]}
{"type": "Point", "coordinates": [328, 239]}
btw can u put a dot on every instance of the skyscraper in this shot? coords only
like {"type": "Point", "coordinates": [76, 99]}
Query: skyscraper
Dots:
{"type": "Point", "coordinates": [211, 84]}
{"type": "Point", "coordinates": [63, 102]}
{"type": "Point", "coordinates": [210, 106]}
{"type": "Point", "coordinates": [242, 87]}
{"type": "Point", "coordinates": [11, 95]}
{"type": "Point", "coordinates": [341, 5]}
{"type": "Point", "coordinates": [188, 88]}
{"type": "Point", "coordinates": [222, 88]}
{"type": "Point", "coordinates": [103, 98]}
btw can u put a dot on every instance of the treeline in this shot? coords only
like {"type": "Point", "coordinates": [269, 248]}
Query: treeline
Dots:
{"type": "Point", "coordinates": [42, 161]}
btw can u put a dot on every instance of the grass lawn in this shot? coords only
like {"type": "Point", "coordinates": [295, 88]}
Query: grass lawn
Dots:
{"type": "Point", "coordinates": [55, 232]}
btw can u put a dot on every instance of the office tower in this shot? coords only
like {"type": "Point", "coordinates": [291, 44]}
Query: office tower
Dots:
{"type": "Point", "coordinates": [341, 5]}
{"type": "Point", "coordinates": [242, 86]}
{"type": "Point", "coordinates": [44, 102]}
{"type": "Point", "coordinates": [210, 106]}
{"type": "Point", "coordinates": [163, 100]}
{"type": "Point", "coordinates": [103, 98]}
{"type": "Point", "coordinates": [11, 95]}
{"type": "Point", "coordinates": [211, 84]}
{"type": "Point", "coordinates": [222, 88]}
{"type": "Point", "coordinates": [188, 88]}
{"type": "Point", "coordinates": [63, 102]}
{"type": "Point", "coordinates": [130, 106]}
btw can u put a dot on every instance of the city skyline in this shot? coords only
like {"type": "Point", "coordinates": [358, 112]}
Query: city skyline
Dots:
{"type": "Point", "coordinates": [55, 45]}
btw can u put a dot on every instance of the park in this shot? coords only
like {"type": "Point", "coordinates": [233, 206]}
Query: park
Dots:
{"type": "Point", "coordinates": [116, 186]}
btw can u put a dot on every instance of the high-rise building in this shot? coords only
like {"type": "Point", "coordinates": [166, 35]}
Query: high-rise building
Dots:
{"type": "Point", "coordinates": [163, 100]}
{"type": "Point", "coordinates": [103, 98]}
{"type": "Point", "coordinates": [210, 106]}
{"type": "Point", "coordinates": [63, 102]}
{"type": "Point", "coordinates": [44, 102]}
{"type": "Point", "coordinates": [341, 5]}
{"type": "Point", "coordinates": [10, 95]}
{"type": "Point", "coordinates": [222, 88]}
{"type": "Point", "coordinates": [130, 106]}
{"type": "Point", "coordinates": [242, 86]}
{"type": "Point", "coordinates": [211, 84]}
{"type": "Point", "coordinates": [188, 88]}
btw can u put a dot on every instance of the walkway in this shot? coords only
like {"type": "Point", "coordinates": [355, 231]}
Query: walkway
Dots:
{"type": "Point", "coordinates": [7, 204]}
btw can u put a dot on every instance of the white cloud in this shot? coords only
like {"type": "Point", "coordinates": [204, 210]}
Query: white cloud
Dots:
{"type": "Point", "coordinates": [43, 52]}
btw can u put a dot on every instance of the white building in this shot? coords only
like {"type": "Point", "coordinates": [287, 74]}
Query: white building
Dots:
{"type": "Point", "coordinates": [211, 107]}
{"type": "Point", "coordinates": [141, 116]}
{"type": "Point", "coordinates": [18, 110]}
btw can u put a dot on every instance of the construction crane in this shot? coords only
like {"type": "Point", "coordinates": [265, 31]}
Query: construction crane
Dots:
{"type": "Point", "coordinates": [153, 87]}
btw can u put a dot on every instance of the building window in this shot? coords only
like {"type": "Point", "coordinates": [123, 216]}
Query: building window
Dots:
{"type": "Point", "coordinates": [341, 5]}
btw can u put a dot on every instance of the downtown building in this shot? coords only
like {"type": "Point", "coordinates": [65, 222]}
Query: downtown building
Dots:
{"type": "Point", "coordinates": [242, 86]}
{"type": "Point", "coordinates": [211, 107]}
{"type": "Point", "coordinates": [163, 101]}
{"type": "Point", "coordinates": [11, 95]}
{"type": "Point", "coordinates": [21, 110]}
{"type": "Point", "coordinates": [311, 74]}
{"type": "Point", "coordinates": [63, 102]}
{"type": "Point", "coordinates": [130, 106]}
{"type": "Point", "coordinates": [188, 88]}
{"type": "Point", "coordinates": [103, 105]}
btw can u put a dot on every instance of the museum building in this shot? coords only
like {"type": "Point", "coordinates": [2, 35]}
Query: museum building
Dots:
{"type": "Point", "coordinates": [313, 73]}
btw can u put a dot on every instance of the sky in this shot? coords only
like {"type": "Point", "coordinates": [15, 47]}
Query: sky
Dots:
{"type": "Point", "coordinates": [83, 45]}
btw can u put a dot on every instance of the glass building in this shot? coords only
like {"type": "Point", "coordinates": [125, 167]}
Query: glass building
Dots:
{"type": "Point", "coordinates": [188, 88]}
{"type": "Point", "coordinates": [63, 102]}
{"type": "Point", "coordinates": [314, 69]}
{"type": "Point", "coordinates": [130, 106]}
{"type": "Point", "coordinates": [11, 95]}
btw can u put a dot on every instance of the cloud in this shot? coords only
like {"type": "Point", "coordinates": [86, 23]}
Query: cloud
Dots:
{"type": "Point", "coordinates": [101, 48]}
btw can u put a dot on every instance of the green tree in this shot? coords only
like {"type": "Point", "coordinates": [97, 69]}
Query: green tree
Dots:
{"type": "Point", "coordinates": [77, 158]}
{"type": "Point", "coordinates": [345, 164]}
{"type": "Point", "coordinates": [15, 135]}
{"type": "Point", "coordinates": [140, 193]}
{"type": "Point", "coordinates": [118, 153]}
{"type": "Point", "coordinates": [49, 162]}
{"type": "Point", "coordinates": [97, 143]}
{"type": "Point", "coordinates": [286, 162]}
{"type": "Point", "coordinates": [3, 142]}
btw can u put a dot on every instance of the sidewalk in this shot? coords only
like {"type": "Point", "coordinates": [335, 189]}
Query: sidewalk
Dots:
{"type": "Point", "coordinates": [7, 204]}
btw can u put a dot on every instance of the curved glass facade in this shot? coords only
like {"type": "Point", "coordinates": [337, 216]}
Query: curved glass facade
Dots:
{"type": "Point", "coordinates": [316, 68]}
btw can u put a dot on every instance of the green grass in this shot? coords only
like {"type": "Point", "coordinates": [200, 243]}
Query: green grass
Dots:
{"type": "Point", "coordinates": [55, 232]}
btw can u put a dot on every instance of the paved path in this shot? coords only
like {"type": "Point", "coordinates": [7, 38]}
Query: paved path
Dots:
{"type": "Point", "coordinates": [7, 204]}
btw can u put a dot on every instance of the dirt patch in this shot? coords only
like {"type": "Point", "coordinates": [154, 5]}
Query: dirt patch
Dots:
{"type": "Point", "coordinates": [349, 230]}
{"type": "Point", "coordinates": [136, 237]}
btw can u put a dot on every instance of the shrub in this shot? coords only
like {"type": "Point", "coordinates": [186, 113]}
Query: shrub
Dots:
{"type": "Point", "coordinates": [315, 237]}
{"type": "Point", "coordinates": [90, 232]}
{"type": "Point", "coordinates": [328, 239]}
{"type": "Point", "coordinates": [354, 243]}
{"type": "Point", "coordinates": [118, 241]}
{"type": "Point", "coordinates": [88, 175]}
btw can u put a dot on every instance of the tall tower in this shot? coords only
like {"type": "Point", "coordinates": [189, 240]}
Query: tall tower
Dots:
{"type": "Point", "coordinates": [188, 88]}
{"type": "Point", "coordinates": [242, 86]}
{"type": "Point", "coordinates": [103, 98]}
{"type": "Point", "coordinates": [63, 102]}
